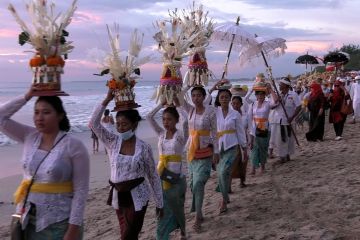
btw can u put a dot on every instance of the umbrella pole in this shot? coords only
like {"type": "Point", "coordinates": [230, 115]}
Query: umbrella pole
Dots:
{"type": "Point", "coordinates": [277, 92]}
{"type": "Point", "coordinates": [228, 55]}
{"type": "Point", "coordinates": [227, 58]}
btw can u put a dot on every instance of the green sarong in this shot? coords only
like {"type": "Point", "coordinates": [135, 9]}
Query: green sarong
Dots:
{"type": "Point", "coordinates": [174, 216]}
{"type": "Point", "coordinates": [259, 153]}
{"type": "Point", "coordinates": [224, 169]}
{"type": "Point", "coordinates": [55, 231]}
{"type": "Point", "coordinates": [199, 173]}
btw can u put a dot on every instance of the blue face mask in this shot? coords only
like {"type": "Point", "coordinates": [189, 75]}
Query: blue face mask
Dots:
{"type": "Point", "coordinates": [127, 135]}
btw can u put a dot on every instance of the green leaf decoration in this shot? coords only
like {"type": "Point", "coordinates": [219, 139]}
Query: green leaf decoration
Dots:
{"type": "Point", "coordinates": [65, 33]}
{"type": "Point", "coordinates": [62, 40]}
{"type": "Point", "coordinates": [23, 38]}
{"type": "Point", "coordinates": [137, 71]}
{"type": "Point", "coordinates": [104, 72]}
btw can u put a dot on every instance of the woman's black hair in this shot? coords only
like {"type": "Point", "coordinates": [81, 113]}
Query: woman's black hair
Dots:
{"type": "Point", "coordinates": [56, 103]}
{"type": "Point", "coordinates": [107, 112]}
{"type": "Point", "coordinates": [200, 89]}
{"type": "Point", "coordinates": [173, 112]}
{"type": "Point", "coordinates": [260, 92]}
{"type": "Point", "coordinates": [132, 115]}
{"type": "Point", "coordinates": [238, 98]}
{"type": "Point", "coordinates": [217, 100]}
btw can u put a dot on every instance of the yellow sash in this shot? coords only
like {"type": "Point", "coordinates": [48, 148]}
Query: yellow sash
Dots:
{"type": "Point", "coordinates": [163, 161]}
{"type": "Point", "coordinates": [195, 141]}
{"type": "Point", "coordinates": [261, 123]}
{"type": "Point", "coordinates": [222, 133]}
{"type": "Point", "coordinates": [62, 187]}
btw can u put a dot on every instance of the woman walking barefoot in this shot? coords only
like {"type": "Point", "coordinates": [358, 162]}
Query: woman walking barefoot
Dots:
{"type": "Point", "coordinates": [131, 161]}
{"type": "Point", "coordinates": [259, 130]}
{"type": "Point", "coordinates": [55, 205]}
{"type": "Point", "coordinates": [203, 148]}
{"type": "Point", "coordinates": [171, 147]}
{"type": "Point", "coordinates": [231, 137]}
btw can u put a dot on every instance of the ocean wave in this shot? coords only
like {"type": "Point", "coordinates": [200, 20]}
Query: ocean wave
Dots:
{"type": "Point", "coordinates": [79, 106]}
{"type": "Point", "coordinates": [5, 141]}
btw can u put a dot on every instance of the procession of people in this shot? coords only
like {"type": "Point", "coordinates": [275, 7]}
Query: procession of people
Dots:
{"type": "Point", "coordinates": [199, 133]}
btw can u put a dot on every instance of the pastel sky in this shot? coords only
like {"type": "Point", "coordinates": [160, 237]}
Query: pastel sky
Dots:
{"type": "Point", "coordinates": [308, 26]}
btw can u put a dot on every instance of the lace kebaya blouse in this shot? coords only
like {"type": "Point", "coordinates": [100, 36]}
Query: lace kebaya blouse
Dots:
{"type": "Point", "coordinates": [124, 167]}
{"type": "Point", "coordinates": [68, 161]}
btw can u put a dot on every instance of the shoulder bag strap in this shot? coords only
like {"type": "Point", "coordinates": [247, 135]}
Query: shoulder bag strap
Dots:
{"type": "Point", "coordinates": [36, 170]}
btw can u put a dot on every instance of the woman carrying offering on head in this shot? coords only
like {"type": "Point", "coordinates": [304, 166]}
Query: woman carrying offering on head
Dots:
{"type": "Point", "coordinates": [258, 116]}
{"type": "Point", "coordinates": [231, 138]}
{"type": "Point", "coordinates": [171, 168]}
{"type": "Point", "coordinates": [202, 148]}
{"type": "Point", "coordinates": [54, 207]}
{"type": "Point", "coordinates": [131, 161]}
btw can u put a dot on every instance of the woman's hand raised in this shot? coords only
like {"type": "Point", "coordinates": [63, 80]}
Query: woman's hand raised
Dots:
{"type": "Point", "coordinates": [30, 93]}
{"type": "Point", "coordinates": [108, 98]}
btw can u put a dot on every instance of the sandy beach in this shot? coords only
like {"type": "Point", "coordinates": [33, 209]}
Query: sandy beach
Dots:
{"type": "Point", "coordinates": [314, 196]}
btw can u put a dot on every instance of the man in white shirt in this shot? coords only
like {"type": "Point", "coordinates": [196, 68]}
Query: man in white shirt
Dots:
{"type": "Point", "coordinates": [284, 136]}
{"type": "Point", "coordinates": [355, 96]}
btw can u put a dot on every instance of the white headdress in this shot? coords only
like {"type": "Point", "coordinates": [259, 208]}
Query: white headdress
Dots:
{"type": "Point", "coordinates": [198, 23]}
{"type": "Point", "coordinates": [47, 37]}
{"type": "Point", "coordinates": [173, 45]}
{"type": "Point", "coordinates": [122, 69]}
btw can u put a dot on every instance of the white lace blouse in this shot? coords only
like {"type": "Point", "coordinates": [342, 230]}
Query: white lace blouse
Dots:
{"type": "Point", "coordinates": [68, 161]}
{"type": "Point", "coordinates": [205, 121]}
{"type": "Point", "coordinates": [123, 167]}
{"type": "Point", "coordinates": [175, 145]}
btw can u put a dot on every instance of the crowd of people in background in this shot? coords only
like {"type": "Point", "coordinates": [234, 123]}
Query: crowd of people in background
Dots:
{"type": "Point", "coordinates": [338, 97]}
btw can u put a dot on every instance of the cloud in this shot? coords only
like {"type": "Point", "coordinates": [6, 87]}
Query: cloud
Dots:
{"type": "Point", "coordinates": [8, 33]}
{"type": "Point", "coordinates": [298, 4]}
{"type": "Point", "coordinates": [86, 17]}
{"type": "Point", "coordinates": [12, 54]}
{"type": "Point", "coordinates": [313, 47]}
{"type": "Point", "coordinates": [111, 5]}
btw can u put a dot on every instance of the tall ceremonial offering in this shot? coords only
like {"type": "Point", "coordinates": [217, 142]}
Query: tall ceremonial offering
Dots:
{"type": "Point", "coordinates": [122, 69]}
{"type": "Point", "coordinates": [47, 37]}
{"type": "Point", "coordinates": [198, 22]}
{"type": "Point", "coordinates": [174, 46]}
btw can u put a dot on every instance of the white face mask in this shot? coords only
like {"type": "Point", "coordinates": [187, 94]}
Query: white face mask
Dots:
{"type": "Point", "coordinates": [127, 135]}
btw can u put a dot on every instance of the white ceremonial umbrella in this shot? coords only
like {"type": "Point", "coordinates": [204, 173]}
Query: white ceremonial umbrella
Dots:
{"type": "Point", "coordinates": [232, 33]}
{"type": "Point", "coordinates": [266, 47]}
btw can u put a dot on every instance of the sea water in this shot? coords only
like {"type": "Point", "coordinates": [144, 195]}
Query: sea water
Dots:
{"type": "Point", "coordinates": [84, 96]}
